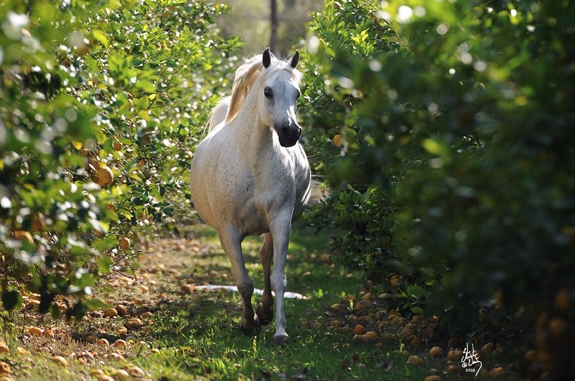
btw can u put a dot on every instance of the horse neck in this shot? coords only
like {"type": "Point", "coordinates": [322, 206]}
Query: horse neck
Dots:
{"type": "Point", "coordinates": [252, 134]}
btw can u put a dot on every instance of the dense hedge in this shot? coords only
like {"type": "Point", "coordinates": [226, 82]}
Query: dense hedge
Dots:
{"type": "Point", "coordinates": [100, 105]}
{"type": "Point", "coordinates": [452, 180]}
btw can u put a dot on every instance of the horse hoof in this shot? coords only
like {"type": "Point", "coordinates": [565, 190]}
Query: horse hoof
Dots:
{"type": "Point", "coordinates": [251, 328]}
{"type": "Point", "coordinates": [281, 339]}
{"type": "Point", "coordinates": [251, 331]}
{"type": "Point", "coordinates": [264, 316]}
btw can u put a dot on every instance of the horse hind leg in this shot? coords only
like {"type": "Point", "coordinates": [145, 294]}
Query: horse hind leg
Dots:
{"type": "Point", "coordinates": [265, 310]}
{"type": "Point", "coordinates": [231, 244]}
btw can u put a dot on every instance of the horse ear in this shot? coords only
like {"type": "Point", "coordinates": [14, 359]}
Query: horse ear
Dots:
{"type": "Point", "coordinates": [267, 58]}
{"type": "Point", "coordinates": [295, 59]}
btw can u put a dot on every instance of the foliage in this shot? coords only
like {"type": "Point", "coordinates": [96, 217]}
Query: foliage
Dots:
{"type": "Point", "coordinates": [457, 162]}
{"type": "Point", "coordinates": [356, 207]}
{"type": "Point", "coordinates": [99, 105]}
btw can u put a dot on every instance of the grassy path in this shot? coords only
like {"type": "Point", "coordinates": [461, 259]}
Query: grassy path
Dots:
{"type": "Point", "coordinates": [160, 327]}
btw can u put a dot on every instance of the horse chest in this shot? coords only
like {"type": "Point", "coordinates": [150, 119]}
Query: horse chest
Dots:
{"type": "Point", "coordinates": [264, 187]}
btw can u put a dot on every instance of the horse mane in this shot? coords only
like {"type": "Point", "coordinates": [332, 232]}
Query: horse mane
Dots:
{"type": "Point", "coordinates": [218, 114]}
{"type": "Point", "coordinates": [246, 76]}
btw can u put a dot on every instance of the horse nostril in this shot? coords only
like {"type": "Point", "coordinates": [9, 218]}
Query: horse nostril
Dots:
{"type": "Point", "coordinates": [285, 132]}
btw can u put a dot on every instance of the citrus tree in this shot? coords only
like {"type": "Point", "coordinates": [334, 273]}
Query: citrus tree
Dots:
{"type": "Point", "coordinates": [446, 132]}
{"type": "Point", "coordinates": [100, 105]}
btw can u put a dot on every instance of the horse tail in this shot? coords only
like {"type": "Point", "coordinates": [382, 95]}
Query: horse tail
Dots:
{"type": "Point", "coordinates": [219, 113]}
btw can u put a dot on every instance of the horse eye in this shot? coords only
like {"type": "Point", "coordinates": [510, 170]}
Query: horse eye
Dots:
{"type": "Point", "coordinates": [268, 92]}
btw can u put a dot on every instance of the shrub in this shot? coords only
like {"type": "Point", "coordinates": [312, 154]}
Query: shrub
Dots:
{"type": "Point", "coordinates": [456, 171]}
{"type": "Point", "coordinates": [99, 105]}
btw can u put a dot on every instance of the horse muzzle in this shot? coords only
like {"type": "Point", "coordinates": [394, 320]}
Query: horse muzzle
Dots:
{"type": "Point", "coordinates": [289, 136]}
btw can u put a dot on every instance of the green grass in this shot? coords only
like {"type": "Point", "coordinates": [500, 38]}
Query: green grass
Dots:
{"type": "Point", "coordinates": [212, 346]}
{"type": "Point", "coordinates": [200, 337]}
{"type": "Point", "coordinates": [196, 336]}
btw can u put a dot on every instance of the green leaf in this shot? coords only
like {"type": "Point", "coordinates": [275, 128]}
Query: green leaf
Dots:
{"type": "Point", "coordinates": [95, 304]}
{"type": "Point", "coordinates": [143, 103]}
{"type": "Point", "coordinates": [102, 244]}
{"type": "Point", "coordinates": [101, 37]}
{"type": "Point", "coordinates": [104, 264]}
{"type": "Point", "coordinates": [147, 86]}
{"type": "Point", "coordinates": [116, 64]}
{"type": "Point", "coordinates": [82, 279]}
{"type": "Point", "coordinates": [92, 64]}
{"type": "Point", "coordinates": [417, 310]}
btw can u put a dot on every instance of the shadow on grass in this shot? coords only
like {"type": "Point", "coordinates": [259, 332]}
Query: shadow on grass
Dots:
{"type": "Point", "coordinates": [200, 339]}
{"type": "Point", "coordinates": [199, 334]}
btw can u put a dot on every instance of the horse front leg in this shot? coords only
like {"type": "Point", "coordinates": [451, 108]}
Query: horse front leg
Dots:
{"type": "Point", "coordinates": [265, 308]}
{"type": "Point", "coordinates": [280, 231]}
{"type": "Point", "coordinates": [231, 243]}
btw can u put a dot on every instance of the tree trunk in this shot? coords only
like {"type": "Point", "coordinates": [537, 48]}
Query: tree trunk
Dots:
{"type": "Point", "coordinates": [274, 21]}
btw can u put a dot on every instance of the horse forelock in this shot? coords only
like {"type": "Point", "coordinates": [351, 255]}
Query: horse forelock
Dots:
{"type": "Point", "coordinates": [246, 76]}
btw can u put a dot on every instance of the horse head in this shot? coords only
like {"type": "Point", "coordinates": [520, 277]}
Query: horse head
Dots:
{"type": "Point", "coordinates": [278, 97]}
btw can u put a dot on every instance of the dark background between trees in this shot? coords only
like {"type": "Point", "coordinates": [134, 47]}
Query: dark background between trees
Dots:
{"type": "Point", "coordinates": [444, 130]}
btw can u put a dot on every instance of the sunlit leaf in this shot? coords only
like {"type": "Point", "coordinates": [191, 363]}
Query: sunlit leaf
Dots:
{"type": "Point", "coordinates": [100, 36]}
{"type": "Point", "coordinates": [434, 147]}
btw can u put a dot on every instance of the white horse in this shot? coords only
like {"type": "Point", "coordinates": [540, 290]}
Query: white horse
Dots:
{"type": "Point", "coordinates": [250, 176]}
